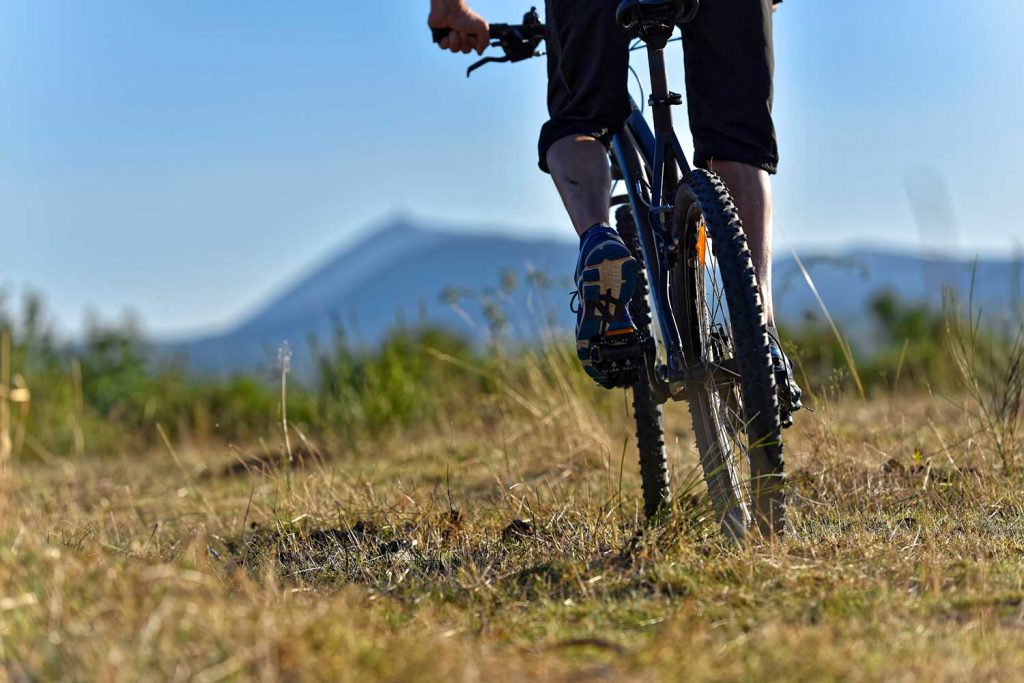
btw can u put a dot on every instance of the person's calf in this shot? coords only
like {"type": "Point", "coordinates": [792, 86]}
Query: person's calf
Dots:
{"type": "Point", "coordinates": [751, 190]}
{"type": "Point", "coordinates": [579, 166]}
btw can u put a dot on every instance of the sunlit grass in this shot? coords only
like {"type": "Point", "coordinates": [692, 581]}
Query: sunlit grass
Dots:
{"type": "Point", "coordinates": [511, 549]}
{"type": "Point", "coordinates": [433, 513]}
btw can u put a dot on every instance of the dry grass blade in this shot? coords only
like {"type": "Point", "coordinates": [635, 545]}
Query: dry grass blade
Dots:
{"type": "Point", "coordinates": [991, 367]}
{"type": "Point", "coordinates": [851, 363]}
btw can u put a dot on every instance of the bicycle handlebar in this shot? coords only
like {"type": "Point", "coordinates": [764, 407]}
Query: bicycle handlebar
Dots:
{"type": "Point", "coordinates": [519, 41]}
{"type": "Point", "coordinates": [500, 32]}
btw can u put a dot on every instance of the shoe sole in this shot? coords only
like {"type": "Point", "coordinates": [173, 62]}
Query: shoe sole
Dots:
{"type": "Point", "coordinates": [610, 268]}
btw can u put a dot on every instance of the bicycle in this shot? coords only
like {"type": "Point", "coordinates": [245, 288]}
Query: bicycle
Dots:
{"type": "Point", "coordinates": [702, 332]}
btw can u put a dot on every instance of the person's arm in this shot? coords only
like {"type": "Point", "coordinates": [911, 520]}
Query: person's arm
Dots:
{"type": "Point", "coordinates": [468, 30]}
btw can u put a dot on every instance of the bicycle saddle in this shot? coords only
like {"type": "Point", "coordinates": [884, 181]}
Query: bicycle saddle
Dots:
{"type": "Point", "coordinates": [640, 17]}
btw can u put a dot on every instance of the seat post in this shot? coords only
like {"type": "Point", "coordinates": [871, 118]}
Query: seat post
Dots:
{"type": "Point", "coordinates": [661, 99]}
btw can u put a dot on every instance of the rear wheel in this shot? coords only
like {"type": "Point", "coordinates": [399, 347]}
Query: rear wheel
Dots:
{"type": "Point", "coordinates": [718, 309]}
{"type": "Point", "coordinates": [650, 431]}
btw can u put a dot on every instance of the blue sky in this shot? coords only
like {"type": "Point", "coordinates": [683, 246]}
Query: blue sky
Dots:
{"type": "Point", "coordinates": [186, 159]}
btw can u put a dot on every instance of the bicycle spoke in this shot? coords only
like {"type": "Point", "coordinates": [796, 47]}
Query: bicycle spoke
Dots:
{"type": "Point", "coordinates": [716, 339]}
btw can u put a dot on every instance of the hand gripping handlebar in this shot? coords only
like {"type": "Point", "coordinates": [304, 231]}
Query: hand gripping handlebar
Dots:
{"type": "Point", "coordinates": [518, 41]}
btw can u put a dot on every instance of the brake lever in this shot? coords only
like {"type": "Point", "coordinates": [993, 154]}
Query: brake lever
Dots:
{"type": "Point", "coordinates": [485, 61]}
{"type": "Point", "coordinates": [519, 42]}
{"type": "Point", "coordinates": [516, 47]}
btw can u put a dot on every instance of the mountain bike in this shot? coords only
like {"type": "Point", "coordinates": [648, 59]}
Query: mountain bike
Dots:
{"type": "Point", "coordinates": [702, 335]}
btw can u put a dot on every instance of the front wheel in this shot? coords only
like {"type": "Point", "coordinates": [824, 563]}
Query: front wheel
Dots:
{"type": "Point", "coordinates": [717, 305]}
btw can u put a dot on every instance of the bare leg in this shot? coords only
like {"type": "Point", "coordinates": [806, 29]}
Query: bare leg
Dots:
{"type": "Point", "coordinates": [751, 189]}
{"type": "Point", "coordinates": [579, 166]}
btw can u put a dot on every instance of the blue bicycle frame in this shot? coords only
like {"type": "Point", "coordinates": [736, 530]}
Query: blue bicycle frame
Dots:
{"type": "Point", "coordinates": [651, 164]}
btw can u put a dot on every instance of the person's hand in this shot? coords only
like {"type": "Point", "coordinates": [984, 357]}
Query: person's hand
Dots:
{"type": "Point", "coordinates": [468, 30]}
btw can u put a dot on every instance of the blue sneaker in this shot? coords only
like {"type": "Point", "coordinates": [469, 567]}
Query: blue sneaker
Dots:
{"type": "Point", "coordinates": [606, 277]}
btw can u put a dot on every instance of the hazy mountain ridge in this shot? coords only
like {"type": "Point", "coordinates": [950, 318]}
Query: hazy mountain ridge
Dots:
{"type": "Point", "coordinates": [407, 274]}
{"type": "Point", "coordinates": [400, 274]}
{"type": "Point", "coordinates": [847, 282]}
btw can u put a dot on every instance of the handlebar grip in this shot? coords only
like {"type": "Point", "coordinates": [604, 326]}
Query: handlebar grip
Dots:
{"type": "Point", "coordinates": [497, 31]}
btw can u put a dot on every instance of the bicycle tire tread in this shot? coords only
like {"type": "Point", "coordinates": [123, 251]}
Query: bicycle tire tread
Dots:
{"type": "Point", "coordinates": [750, 334]}
{"type": "Point", "coordinates": [650, 430]}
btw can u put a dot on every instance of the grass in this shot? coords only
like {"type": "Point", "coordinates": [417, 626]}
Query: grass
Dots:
{"type": "Point", "coordinates": [508, 548]}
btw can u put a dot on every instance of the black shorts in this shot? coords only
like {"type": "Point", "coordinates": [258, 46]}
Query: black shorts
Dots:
{"type": "Point", "coordinates": [729, 63]}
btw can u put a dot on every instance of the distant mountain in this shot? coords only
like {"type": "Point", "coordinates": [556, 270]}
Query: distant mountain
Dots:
{"type": "Point", "coordinates": [405, 274]}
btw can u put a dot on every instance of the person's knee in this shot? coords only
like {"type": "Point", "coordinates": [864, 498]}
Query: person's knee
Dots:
{"type": "Point", "coordinates": [747, 182]}
{"type": "Point", "coordinates": [739, 169]}
{"type": "Point", "coordinates": [555, 132]}
{"type": "Point", "coordinates": [575, 148]}
{"type": "Point", "coordinates": [581, 162]}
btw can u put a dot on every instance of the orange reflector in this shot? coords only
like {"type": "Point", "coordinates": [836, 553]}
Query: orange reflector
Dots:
{"type": "Point", "coordinates": [702, 242]}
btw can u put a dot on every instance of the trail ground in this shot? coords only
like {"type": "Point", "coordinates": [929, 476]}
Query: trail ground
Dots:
{"type": "Point", "coordinates": [509, 550]}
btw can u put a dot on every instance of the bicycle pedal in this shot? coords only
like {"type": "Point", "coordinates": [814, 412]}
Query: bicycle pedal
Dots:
{"type": "Point", "coordinates": [619, 358]}
{"type": "Point", "coordinates": [789, 396]}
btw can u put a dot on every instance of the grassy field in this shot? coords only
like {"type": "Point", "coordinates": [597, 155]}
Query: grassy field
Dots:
{"type": "Point", "coordinates": [508, 547]}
